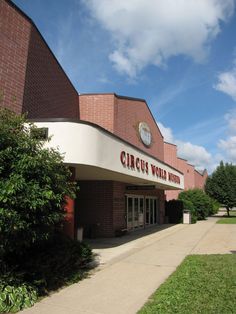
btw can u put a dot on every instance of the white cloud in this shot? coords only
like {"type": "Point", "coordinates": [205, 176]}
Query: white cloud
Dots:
{"type": "Point", "coordinates": [227, 83]}
{"type": "Point", "coordinates": [228, 145]}
{"type": "Point", "coordinates": [230, 118]}
{"type": "Point", "coordinates": [194, 154]}
{"type": "Point", "coordinates": [229, 148]}
{"type": "Point", "coordinates": [167, 133]}
{"type": "Point", "coordinates": [150, 32]}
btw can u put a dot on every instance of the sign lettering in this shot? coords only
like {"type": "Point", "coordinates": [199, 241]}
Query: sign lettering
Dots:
{"type": "Point", "coordinates": [138, 164]}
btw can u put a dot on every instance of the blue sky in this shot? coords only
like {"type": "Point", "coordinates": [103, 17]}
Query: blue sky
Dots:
{"type": "Point", "coordinates": [179, 55]}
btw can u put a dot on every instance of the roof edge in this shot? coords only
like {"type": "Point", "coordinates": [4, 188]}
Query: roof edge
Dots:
{"type": "Point", "coordinates": [12, 4]}
{"type": "Point", "coordinates": [165, 142]}
{"type": "Point", "coordinates": [102, 129]}
{"type": "Point", "coordinates": [127, 98]}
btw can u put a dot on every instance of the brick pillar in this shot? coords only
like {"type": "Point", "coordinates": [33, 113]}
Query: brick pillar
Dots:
{"type": "Point", "coordinates": [69, 219]}
{"type": "Point", "coordinates": [162, 207]}
{"type": "Point", "coordinates": [69, 224]}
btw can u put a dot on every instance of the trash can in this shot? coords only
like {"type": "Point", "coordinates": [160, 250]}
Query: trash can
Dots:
{"type": "Point", "coordinates": [80, 234]}
{"type": "Point", "coordinates": [187, 217]}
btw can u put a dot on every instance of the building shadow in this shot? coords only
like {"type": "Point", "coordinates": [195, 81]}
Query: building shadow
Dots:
{"type": "Point", "coordinates": [102, 243]}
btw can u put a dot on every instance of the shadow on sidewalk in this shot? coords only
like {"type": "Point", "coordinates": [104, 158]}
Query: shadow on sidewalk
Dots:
{"type": "Point", "coordinates": [102, 243]}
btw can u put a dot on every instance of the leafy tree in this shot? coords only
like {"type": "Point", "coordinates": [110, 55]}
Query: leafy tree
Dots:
{"type": "Point", "coordinates": [33, 185]}
{"type": "Point", "coordinates": [202, 205]}
{"type": "Point", "coordinates": [221, 185]}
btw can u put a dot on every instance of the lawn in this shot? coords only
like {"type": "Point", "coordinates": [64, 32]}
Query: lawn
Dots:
{"type": "Point", "coordinates": [228, 220]}
{"type": "Point", "coordinates": [201, 284]}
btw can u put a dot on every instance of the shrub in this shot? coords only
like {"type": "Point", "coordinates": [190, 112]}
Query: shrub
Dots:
{"type": "Point", "coordinates": [188, 205]}
{"type": "Point", "coordinates": [202, 203]}
{"type": "Point", "coordinates": [53, 264]}
{"type": "Point", "coordinates": [174, 211]}
{"type": "Point", "coordinates": [33, 184]}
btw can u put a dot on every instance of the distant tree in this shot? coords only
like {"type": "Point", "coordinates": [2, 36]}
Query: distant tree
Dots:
{"type": "Point", "coordinates": [221, 185]}
{"type": "Point", "coordinates": [33, 184]}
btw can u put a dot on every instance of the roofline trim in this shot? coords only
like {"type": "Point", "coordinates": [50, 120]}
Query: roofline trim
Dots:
{"type": "Point", "coordinates": [102, 129]}
{"type": "Point", "coordinates": [170, 143]}
{"type": "Point", "coordinates": [203, 172]}
{"type": "Point", "coordinates": [182, 159]}
{"type": "Point", "coordinates": [127, 98]}
{"type": "Point", "coordinates": [115, 94]}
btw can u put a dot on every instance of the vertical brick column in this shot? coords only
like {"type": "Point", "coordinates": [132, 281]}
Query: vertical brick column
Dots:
{"type": "Point", "coordinates": [69, 224]}
{"type": "Point", "coordinates": [162, 207]}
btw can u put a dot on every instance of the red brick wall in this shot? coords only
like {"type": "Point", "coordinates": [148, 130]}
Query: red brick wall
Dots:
{"type": "Point", "coordinates": [172, 194]}
{"type": "Point", "coordinates": [14, 39]}
{"type": "Point", "coordinates": [106, 209]}
{"type": "Point", "coordinates": [48, 91]}
{"type": "Point", "coordinates": [94, 207]}
{"type": "Point", "coordinates": [200, 179]}
{"type": "Point", "coordinates": [170, 154]}
{"type": "Point", "coordinates": [31, 80]}
{"type": "Point", "coordinates": [188, 171]}
{"type": "Point", "coordinates": [189, 177]}
{"type": "Point", "coordinates": [128, 114]}
{"type": "Point", "coordinates": [98, 109]}
{"type": "Point", "coordinates": [119, 206]}
{"type": "Point", "coordinates": [121, 116]}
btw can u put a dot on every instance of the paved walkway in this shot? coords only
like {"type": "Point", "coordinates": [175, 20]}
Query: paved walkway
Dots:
{"type": "Point", "coordinates": [131, 272]}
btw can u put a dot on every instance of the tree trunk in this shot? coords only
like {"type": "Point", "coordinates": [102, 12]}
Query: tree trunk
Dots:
{"type": "Point", "coordinates": [227, 210]}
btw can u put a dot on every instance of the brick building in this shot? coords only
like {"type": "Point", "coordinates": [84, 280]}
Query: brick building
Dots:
{"type": "Point", "coordinates": [111, 142]}
{"type": "Point", "coordinates": [192, 177]}
{"type": "Point", "coordinates": [31, 79]}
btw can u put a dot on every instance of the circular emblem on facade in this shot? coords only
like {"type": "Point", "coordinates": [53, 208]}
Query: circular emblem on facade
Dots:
{"type": "Point", "coordinates": [145, 133]}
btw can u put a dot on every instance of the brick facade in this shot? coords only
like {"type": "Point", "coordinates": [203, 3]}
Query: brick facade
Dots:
{"type": "Point", "coordinates": [200, 179]}
{"type": "Point", "coordinates": [192, 178]}
{"type": "Point", "coordinates": [31, 79]}
{"type": "Point", "coordinates": [14, 41]}
{"type": "Point", "coordinates": [48, 92]}
{"type": "Point", "coordinates": [105, 212]}
{"type": "Point", "coordinates": [121, 116]}
{"type": "Point", "coordinates": [94, 208]}
{"type": "Point", "coordinates": [98, 109]}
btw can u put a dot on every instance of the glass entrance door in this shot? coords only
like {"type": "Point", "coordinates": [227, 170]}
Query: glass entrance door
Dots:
{"type": "Point", "coordinates": [151, 210]}
{"type": "Point", "coordinates": [135, 212]}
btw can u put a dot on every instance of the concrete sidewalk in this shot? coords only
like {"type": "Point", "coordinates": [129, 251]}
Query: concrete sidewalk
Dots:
{"type": "Point", "coordinates": [131, 272]}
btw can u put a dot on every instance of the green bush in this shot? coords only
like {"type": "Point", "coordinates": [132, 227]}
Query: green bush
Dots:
{"type": "Point", "coordinates": [40, 270]}
{"type": "Point", "coordinates": [52, 264]}
{"type": "Point", "coordinates": [174, 211]}
{"type": "Point", "coordinates": [33, 184]}
{"type": "Point", "coordinates": [202, 203]}
{"type": "Point", "coordinates": [188, 205]}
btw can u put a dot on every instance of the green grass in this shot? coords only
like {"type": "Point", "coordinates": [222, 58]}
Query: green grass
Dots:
{"type": "Point", "coordinates": [228, 220]}
{"type": "Point", "coordinates": [201, 284]}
